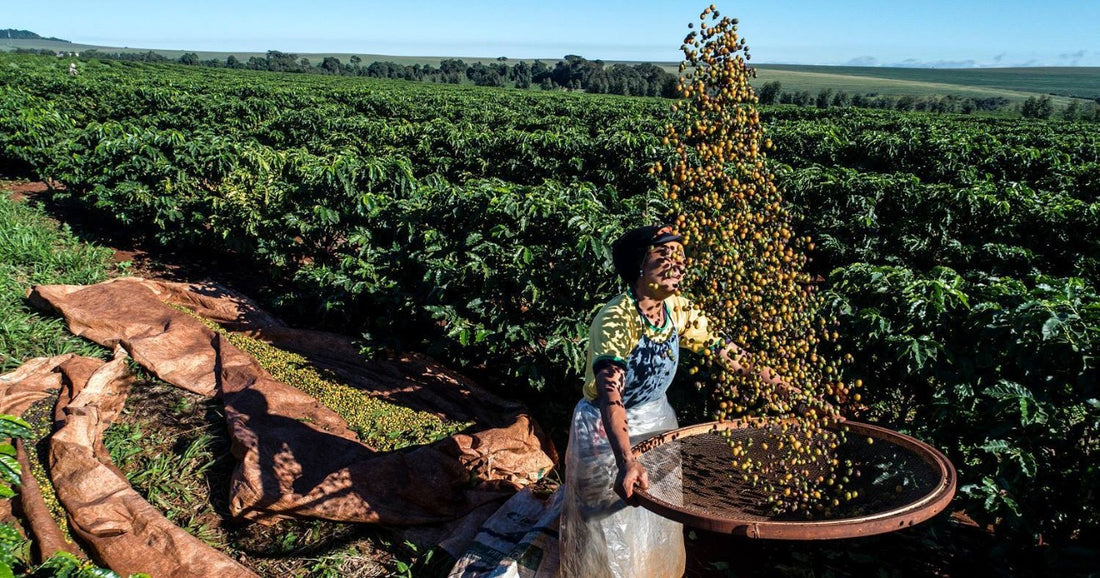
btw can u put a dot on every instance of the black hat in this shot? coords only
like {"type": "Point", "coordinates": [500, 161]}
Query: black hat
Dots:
{"type": "Point", "coordinates": [628, 251]}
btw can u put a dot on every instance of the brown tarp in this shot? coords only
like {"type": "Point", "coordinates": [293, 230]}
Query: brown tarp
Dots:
{"type": "Point", "coordinates": [48, 539]}
{"type": "Point", "coordinates": [33, 381]}
{"type": "Point", "coordinates": [295, 457]}
{"type": "Point", "coordinates": [127, 533]}
{"type": "Point", "coordinates": [119, 527]}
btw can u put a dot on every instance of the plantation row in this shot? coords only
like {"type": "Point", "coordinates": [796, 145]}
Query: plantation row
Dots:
{"type": "Point", "coordinates": [959, 254]}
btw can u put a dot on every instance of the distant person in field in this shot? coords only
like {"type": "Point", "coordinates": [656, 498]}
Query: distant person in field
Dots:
{"type": "Point", "coordinates": [72, 69]}
{"type": "Point", "coordinates": [633, 351]}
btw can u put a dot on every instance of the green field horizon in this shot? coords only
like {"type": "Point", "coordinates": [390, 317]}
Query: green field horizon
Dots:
{"type": "Point", "coordinates": [1062, 84]}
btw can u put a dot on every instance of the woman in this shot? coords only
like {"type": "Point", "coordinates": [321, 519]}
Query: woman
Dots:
{"type": "Point", "coordinates": [633, 350]}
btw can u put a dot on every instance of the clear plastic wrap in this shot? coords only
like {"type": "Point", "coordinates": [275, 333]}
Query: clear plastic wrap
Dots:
{"type": "Point", "coordinates": [600, 535]}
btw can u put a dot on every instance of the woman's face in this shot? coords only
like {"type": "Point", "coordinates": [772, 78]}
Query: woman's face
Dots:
{"type": "Point", "coordinates": [662, 269]}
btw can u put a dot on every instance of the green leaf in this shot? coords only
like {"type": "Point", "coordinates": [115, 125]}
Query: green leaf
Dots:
{"type": "Point", "coordinates": [9, 470]}
{"type": "Point", "coordinates": [15, 427]}
{"type": "Point", "coordinates": [98, 573]}
{"type": "Point", "coordinates": [62, 564]}
{"type": "Point", "coordinates": [1050, 328]}
{"type": "Point", "coordinates": [8, 534]}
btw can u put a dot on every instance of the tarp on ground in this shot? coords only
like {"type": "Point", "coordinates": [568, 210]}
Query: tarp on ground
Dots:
{"type": "Point", "coordinates": [119, 528]}
{"type": "Point", "coordinates": [35, 380]}
{"type": "Point", "coordinates": [297, 458]}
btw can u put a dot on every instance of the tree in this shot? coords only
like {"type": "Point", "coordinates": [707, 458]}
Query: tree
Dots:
{"type": "Point", "coordinates": [1040, 107]}
{"type": "Point", "coordinates": [283, 61]}
{"type": "Point", "coordinates": [625, 80]}
{"type": "Point", "coordinates": [566, 70]}
{"type": "Point", "coordinates": [539, 71]}
{"type": "Point", "coordinates": [189, 58]}
{"type": "Point", "coordinates": [769, 93]}
{"type": "Point", "coordinates": [652, 75]}
{"type": "Point", "coordinates": [501, 66]}
{"type": "Point", "coordinates": [331, 65]}
{"type": "Point", "coordinates": [1072, 110]}
{"type": "Point", "coordinates": [232, 62]}
{"type": "Point", "coordinates": [482, 75]}
{"type": "Point", "coordinates": [668, 86]}
{"type": "Point", "coordinates": [801, 98]}
{"type": "Point", "coordinates": [521, 75]}
{"type": "Point", "coordinates": [452, 66]}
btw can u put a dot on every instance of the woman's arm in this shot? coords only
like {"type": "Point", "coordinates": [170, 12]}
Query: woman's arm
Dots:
{"type": "Point", "coordinates": [696, 335]}
{"type": "Point", "coordinates": [733, 358]}
{"type": "Point", "coordinates": [609, 398]}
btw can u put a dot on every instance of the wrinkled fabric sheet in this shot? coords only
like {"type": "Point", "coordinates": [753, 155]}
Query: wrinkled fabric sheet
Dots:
{"type": "Point", "coordinates": [120, 529]}
{"type": "Point", "coordinates": [33, 381]}
{"type": "Point", "coordinates": [295, 457]}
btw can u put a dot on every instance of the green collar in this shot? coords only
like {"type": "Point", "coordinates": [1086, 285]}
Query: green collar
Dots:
{"type": "Point", "coordinates": [645, 320]}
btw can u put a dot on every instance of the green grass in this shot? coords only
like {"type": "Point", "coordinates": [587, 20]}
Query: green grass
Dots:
{"type": "Point", "coordinates": [1069, 81]}
{"type": "Point", "coordinates": [174, 448]}
{"type": "Point", "coordinates": [165, 477]}
{"type": "Point", "coordinates": [814, 82]}
{"type": "Point", "coordinates": [33, 251]}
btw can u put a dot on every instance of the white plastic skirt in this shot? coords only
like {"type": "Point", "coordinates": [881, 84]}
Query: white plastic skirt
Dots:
{"type": "Point", "coordinates": [600, 535]}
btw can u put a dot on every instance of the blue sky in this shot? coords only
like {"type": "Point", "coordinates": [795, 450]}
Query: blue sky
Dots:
{"type": "Point", "coordinates": [958, 33]}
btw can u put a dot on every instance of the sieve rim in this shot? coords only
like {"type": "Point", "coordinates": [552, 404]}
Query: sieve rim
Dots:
{"type": "Point", "coordinates": [890, 520]}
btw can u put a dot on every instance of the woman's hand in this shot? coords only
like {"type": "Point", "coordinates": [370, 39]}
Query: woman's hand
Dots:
{"type": "Point", "coordinates": [785, 389]}
{"type": "Point", "coordinates": [609, 391]}
{"type": "Point", "coordinates": [630, 474]}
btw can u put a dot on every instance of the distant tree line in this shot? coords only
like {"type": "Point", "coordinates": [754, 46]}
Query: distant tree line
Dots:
{"type": "Point", "coordinates": [1033, 107]}
{"type": "Point", "coordinates": [571, 73]}
{"type": "Point", "coordinates": [577, 73]}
